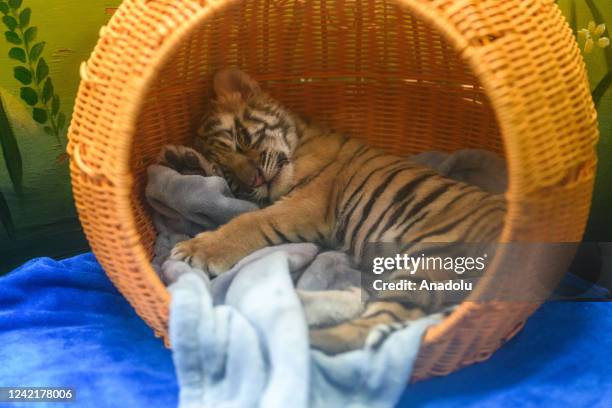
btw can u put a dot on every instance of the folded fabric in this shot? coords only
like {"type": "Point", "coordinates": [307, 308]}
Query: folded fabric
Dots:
{"type": "Point", "coordinates": [254, 310]}
{"type": "Point", "coordinates": [186, 205]}
{"type": "Point", "coordinates": [473, 166]}
{"type": "Point", "coordinates": [252, 349]}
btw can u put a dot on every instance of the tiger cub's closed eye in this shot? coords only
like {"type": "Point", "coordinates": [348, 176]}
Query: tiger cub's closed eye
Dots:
{"type": "Point", "coordinates": [282, 159]}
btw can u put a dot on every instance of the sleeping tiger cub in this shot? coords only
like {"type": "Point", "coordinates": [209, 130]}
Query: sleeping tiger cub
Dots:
{"type": "Point", "coordinates": [316, 185]}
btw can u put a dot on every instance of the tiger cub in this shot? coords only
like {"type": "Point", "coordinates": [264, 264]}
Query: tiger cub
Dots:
{"type": "Point", "coordinates": [316, 185]}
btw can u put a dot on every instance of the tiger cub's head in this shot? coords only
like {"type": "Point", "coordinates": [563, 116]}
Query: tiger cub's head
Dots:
{"type": "Point", "coordinates": [250, 137]}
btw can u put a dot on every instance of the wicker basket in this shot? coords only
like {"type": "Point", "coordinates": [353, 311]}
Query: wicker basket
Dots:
{"type": "Point", "coordinates": [405, 75]}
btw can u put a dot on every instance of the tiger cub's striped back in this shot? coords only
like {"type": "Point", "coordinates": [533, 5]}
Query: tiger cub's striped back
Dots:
{"type": "Point", "coordinates": [384, 198]}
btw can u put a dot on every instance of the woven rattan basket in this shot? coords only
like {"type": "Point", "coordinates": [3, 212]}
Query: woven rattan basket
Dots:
{"type": "Point", "coordinates": [405, 75]}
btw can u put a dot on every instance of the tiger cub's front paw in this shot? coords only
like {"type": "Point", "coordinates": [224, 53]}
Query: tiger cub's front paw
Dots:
{"type": "Point", "coordinates": [204, 252]}
{"type": "Point", "coordinates": [186, 161]}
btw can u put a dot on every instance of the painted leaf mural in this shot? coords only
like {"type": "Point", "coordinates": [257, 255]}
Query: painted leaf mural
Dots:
{"type": "Point", "coordinates": [594, 35]}
{"type": "Point", "coordinates": [10, 149]}
{"type": "Point", "coordinates": [12, 160]}
{"type": "Point", "coordinates": [38, 91]}
{"type": "Point", "coordinates": [42, 44]}
{"type": "Point", "coordinates": [601, 88]}
{"type": "Point", "coordinates": [5, 217]}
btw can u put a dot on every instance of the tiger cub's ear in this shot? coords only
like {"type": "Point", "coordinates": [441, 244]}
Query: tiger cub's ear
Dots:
{"type": "Point", "coordinates": [234, 88]}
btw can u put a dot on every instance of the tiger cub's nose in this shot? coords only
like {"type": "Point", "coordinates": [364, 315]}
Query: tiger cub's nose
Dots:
{"type": "Point", "coordinates": [258, 179]}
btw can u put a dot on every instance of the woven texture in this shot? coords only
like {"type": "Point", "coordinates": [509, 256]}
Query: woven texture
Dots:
{"type": "Point", "coordinates": [405, 75]}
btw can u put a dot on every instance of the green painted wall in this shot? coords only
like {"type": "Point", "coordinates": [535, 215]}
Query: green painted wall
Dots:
{"type": "Point", "coordinates": [599, 64]}
{"type": "Point", "coordinates": [43, 215]}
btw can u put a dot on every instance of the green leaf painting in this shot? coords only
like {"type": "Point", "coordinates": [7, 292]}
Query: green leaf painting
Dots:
{"type": "Point", "coordinates": [29, 95]}
{"type": "Point", "coordinates": [10, 22]}
{"type": "Point", "coordinates": [12, 159]}
{"type": "Point", "coordinates": [15, 4]}
{"type": "Point", "coordinates": [40, 115]}
{"type": "Point", "coordinates": [36, 50]}
{"type": "Point", "coordinates": [24, 17]}
{"type": "Point", "coordinates": [42, 70]}
{"type": "Point", "coordinates": [599, 19]}
{"type": "Point", "coordinates": [55, 105]}
{"type": "Point", "coordinates": [573, 17]}
{"type": "Point", "coordinates": [32, 72]}
{"type": "Point", "coordinates": [23, 75]}
{"type": "Point", "coordinates": [601, 88]}
{"type": "Point", "coordinates": [5, 217]}
{"type": "Point", "coordinates": [10, 149]}
{"type": "Point", "coordinates": [30, 34]}
{"type": "Point", "coordinates": [47, 92]}
{"type": "Point", "coordinates": [605, 83]}
{"type": "Point", "coordinates": [12, 37]}
{"type": "Point", "coordinates": [596, 33]}
{"type": "Point", "coordinates": [61, 120]}
{"type": "Point", "coordinates": [17, 54]}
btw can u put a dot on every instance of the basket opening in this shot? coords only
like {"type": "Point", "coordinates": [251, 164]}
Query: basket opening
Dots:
{"type": "Point", "coordinates": [374, 71]}
{"type": "Point", "coordinates": [396, 73]}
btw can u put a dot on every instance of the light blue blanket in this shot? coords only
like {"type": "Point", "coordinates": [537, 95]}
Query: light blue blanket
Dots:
{"type": "Point", "coordinates": [251, 349]}
{"type": "Point", "coordinates": [242, 339]}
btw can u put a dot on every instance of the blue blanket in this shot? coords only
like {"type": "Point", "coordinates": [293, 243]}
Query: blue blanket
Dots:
{"type": "Point", "coordinates": [64, 324]}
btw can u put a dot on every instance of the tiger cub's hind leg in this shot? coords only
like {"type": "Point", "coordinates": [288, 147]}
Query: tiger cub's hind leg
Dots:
{"type": "Point", "coordinates": [379, 320]}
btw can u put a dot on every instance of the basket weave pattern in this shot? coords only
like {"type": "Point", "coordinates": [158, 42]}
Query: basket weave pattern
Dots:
{"type": "Point", "coordinates": [405, 75]}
